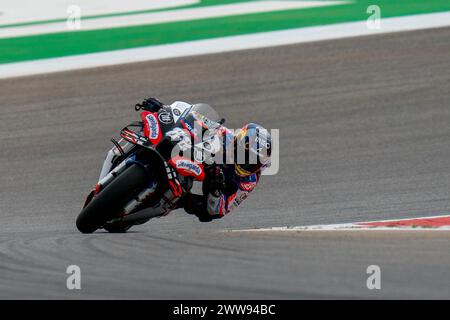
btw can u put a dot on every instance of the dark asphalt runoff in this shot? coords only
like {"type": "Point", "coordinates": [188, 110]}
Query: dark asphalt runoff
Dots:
{"type": "Point", "coordinates": [365, 135]}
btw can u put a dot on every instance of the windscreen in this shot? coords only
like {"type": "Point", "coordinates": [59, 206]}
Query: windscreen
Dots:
{"type": "Point", "coordinates": [202, 114]}
{"type": "Point", "coordinates": [206, 110]}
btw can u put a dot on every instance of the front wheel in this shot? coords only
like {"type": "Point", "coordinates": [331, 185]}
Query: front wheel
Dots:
{"type": "Point", "coordinates": [106, 204]}
{"type": "Point", "coordinates": [117, 227]}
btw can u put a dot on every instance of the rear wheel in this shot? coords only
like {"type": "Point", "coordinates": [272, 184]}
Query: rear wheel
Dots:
{"type": "Point", "coordinates": [115, 195]}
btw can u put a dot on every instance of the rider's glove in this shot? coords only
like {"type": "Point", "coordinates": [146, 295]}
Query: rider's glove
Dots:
{"type": "Point", "coordinates": [215, 181]}
{"type": "Point", "coordinates": [150, 104]}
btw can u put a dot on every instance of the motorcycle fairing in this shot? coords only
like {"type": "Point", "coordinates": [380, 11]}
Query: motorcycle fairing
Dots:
{"type": "Point", "coordinates": [188, 168]}
{"type": "Point", "coordinates": [152, 127]}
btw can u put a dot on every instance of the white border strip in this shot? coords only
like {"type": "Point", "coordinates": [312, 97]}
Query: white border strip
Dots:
{"type": "Point", "coordinates": [207, 12]}
{"type": "Point", "coordinates": [356, 226]}
{"type": "Point", "coordinates": [251, 41]}
{"type": "Point", "coordinates": [23, 11]}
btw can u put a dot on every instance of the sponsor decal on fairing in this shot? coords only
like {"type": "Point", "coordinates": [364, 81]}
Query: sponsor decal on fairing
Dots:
{"type": "Point", "coordinates": [176, 112]}
{"type": "Point", "coordinates": [165, 117]}
{"type": "Point", "coordinates": [179, 109]}
{"type": "Point", "coordinates": [153, 126]}
{"type": "Point", "coordinates": [189, 166]}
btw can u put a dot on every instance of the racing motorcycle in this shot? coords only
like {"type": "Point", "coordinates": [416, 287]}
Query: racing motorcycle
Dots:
{"type": "Point", "coordinates": [144, 176]}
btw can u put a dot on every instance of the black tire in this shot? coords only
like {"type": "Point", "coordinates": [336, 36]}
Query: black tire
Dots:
{"type": "Point", "coordinates": [122, 227]}
{"type": "Point", "coordinates": [117, 227]}
{"type": "Point", "coordinates": [115, 195]}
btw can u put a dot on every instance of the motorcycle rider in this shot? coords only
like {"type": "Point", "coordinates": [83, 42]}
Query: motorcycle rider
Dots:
{"type": "Point", "coordinates": [226, 185]}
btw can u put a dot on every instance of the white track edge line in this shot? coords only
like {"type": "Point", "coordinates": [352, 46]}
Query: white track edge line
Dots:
{"type": "Point", "coordinates": [226, 44]}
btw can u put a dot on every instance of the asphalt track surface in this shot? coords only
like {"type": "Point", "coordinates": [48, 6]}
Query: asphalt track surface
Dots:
{"type": "Point", "coordinates": [365, 134]}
